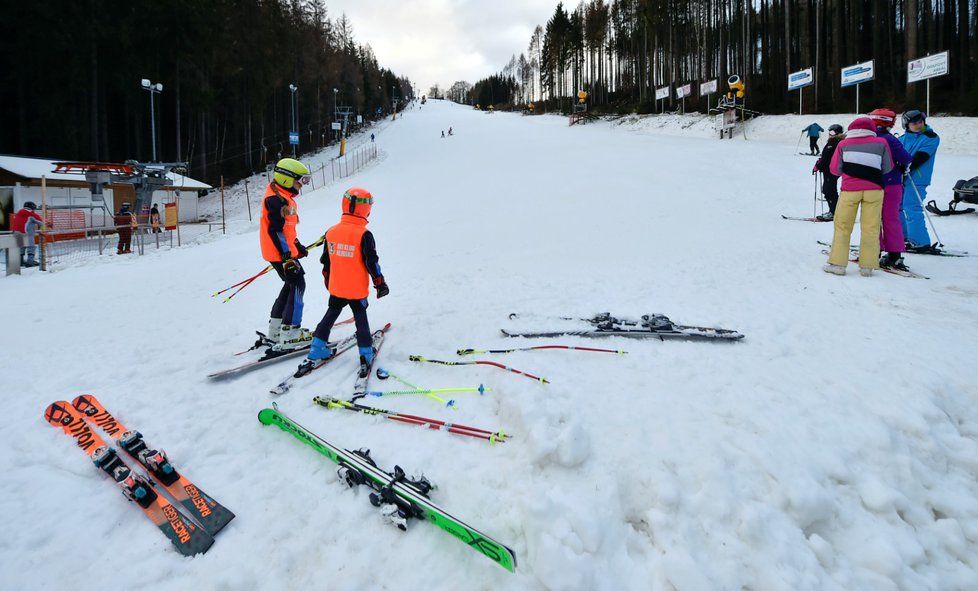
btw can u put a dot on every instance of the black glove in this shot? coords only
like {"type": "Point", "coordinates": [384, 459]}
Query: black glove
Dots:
{"type": "Point", "coordinates": [382, 289]}
{"type": "Point", "coordinates": [303, 251]}
{"type": "Point", "coordinates": [292, 268]}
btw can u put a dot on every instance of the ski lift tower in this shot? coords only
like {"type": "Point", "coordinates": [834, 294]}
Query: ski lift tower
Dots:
{"type": "Point", "coordinates": [145, 178]}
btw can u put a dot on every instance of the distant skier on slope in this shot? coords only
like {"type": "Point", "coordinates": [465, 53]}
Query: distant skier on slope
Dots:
{"type": "Point", "coordinates": [921, 142]}
{"type": "Point", "coordinates": [449, 131]}
{"type": "Point", "coordinates": [891, 238]}
{"type": "Point", "coordinates": [281, 248]}
{"type": "Point", "coordinates": [814, 131]}
{"type": "Point", "coordinates": [350, 262]}
{"type": "Point", "coordinates": [830, 182]}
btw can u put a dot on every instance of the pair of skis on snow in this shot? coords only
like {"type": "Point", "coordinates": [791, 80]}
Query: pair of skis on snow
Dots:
{"type": "Point", "coordinates": [654, 326]}
{"type": "Point", "coordinates": [192, 526]}
{"type": "Point", "coordinates": [398, 497]}
{"type": "Point", "coordinates": [360, 386]}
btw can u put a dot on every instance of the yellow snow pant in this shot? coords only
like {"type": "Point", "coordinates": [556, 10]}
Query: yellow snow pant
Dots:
{"type": "Point", "coordinates": [869, 227]}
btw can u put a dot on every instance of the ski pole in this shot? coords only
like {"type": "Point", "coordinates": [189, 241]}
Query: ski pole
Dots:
{"type": "Point", "coordinates": [481, 390]}
{"type": "Point", "coordinates": [923, 207]}
{"type": "Point", "coordinates": [248, 281]}
{"type": "Point", "coordinates": [383, 374]}
{"type": "Point", "coordinates": [421, 359]}
{"type": "Point", "coordinates": [243, 281]}
{"type": "Point", "coordinates": [798, 145]}
{"type": "Point", "coordinates": [434, 424]}
{"type": "Point", "coordinates": [537, 348]}
{"type": "Point", "coordinates": [427, 393]}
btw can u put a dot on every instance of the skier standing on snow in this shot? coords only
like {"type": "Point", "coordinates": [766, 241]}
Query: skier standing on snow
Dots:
{"type": "Point", "coordinates": [814, 131]}
{"type": "Point", "coordinates": [921, 142]}
{"type": "Point", "coordinates": [891, 238]}
{"type": "Point", "coordinates": [123, 226]}
{"type": "Point", "coordinates": [350, 262]}
{"type": "Point", "coordinates": [281, 248]}
{"type": "Point", "coordinates": [24, 225]}
{"type": "Point", "coordinates": [830, 182]}
{"type": "Point", "coordinates": [861, 160]}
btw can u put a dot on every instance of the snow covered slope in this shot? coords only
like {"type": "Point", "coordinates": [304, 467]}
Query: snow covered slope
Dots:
{"type": "Point", "coordinates": [836, 447]}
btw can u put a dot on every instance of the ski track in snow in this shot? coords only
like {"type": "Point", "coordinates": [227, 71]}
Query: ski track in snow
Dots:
{"type": "Point", "coordinates": [836, 447]}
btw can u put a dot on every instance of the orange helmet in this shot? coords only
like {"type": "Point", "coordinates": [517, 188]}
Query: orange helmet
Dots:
{"type": "Point", "coordinates": [883, 117]}
{"type": "Point", "coordinates": [357, 201]}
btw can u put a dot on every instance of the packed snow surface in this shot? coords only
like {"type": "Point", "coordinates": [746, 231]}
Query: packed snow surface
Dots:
{"type": "Point", "coordinates": [836, 447]}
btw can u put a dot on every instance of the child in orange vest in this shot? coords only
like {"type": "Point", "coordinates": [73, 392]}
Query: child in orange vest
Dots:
{"type": "Point", "coordinates": [350, 265]}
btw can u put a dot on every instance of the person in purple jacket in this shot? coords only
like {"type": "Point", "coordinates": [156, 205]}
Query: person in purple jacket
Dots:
{"type": "Point", "coordinates": [862, 159]}
{"type": "Point", "coordinates": [891, 238]}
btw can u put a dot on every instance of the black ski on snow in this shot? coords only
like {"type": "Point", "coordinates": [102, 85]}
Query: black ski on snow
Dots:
{"type": "Point", "coordinates": [815, 219]}
{"type": "Point", "coordinates": [656, 326]}
{"type": "Point", "coordinates": [210, 514]}
{"type": "Point", "coordinates": [268, 358]}
{"type": "Point", "coordinates": [305, 369]}
{"type": "Point", "coordinates": [942, 252]}
{"type": "Point", "coordinates": [187, 538]}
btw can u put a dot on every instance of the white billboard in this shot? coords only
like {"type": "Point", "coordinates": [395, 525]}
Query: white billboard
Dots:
{"type": "Point", "coordinates": [857, 73]}
{"type": "Point", "coordinates": [801, 79]}
{"type": "Point", "coordinates": [927, 67]}
{"type": "Point", "coordinates": [708, 87]}
{"type": "Point", "coordinates": [335, 126]}
{"type": "Point", "coordinates": [661, 93]}
{"type": "Point", "coordinates": [684, 91]}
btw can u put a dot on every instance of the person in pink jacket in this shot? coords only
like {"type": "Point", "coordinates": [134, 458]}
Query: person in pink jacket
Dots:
{"type": "Point", "coordinates": [862, 159]}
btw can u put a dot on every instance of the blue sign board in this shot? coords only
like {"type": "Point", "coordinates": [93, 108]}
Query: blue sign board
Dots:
{"type": "Point", "coordinates": [294, 138]}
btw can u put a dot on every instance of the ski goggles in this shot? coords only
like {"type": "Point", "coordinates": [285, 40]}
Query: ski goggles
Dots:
{"type": "Point", "coordinates": [300, 179]}
{"type": "Point", "coordinates": [304, 180]}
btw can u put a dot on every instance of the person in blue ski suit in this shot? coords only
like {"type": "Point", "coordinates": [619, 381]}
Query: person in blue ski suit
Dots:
{"type": "Point", "coordinates": [921, 142]}
{"type": "Point", "coordinates": [814, 131]}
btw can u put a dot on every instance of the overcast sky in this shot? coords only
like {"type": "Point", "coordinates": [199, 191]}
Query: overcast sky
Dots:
{"type": "Point", "coordinates": [441, 41]}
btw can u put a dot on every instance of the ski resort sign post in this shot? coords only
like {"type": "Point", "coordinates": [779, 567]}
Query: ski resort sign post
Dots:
{"type": "Point", "coordinates": [682, 92]}
{"type": "Point", "coordinates": [662, 94]}
{"type": "Point", "coordinates": [857, 74]}
{"type": "Point", "coordinates": [708, 88]}
{"type": "Point", "coordinates": [799, 80]}
{"type": "Point", "coordinates": [926, 68]}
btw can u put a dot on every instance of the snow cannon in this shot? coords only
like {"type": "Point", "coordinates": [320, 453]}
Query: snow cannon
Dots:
{"type": "Point", "coordinates": [736, 87]}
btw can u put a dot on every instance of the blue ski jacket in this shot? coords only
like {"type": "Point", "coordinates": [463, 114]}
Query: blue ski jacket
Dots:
{"type": "Point", "coordinates": [922, 148]}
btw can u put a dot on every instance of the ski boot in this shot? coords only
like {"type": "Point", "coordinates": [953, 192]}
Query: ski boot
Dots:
{"type": "Point", "coordinates": [366, 360]}
{"type": "Point", "coordinates": [834, 269]}
{"type": "Point", "coordinates": [893, 260]}
{"type": "Point", "coordinates": [292, 338]}
{"type": "Point", "coordinates": [825, 217]}
{"type": "Point", "coordinates": [274, 330]}
{"type": "Point", "coordinates": [319, 353]}
{"type": "Point", "coordinates": [865, 271]}
{"type": "Point", "coordinates": [928, 249]}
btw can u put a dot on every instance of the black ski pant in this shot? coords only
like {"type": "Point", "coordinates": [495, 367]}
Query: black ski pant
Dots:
{"type": "Point", "coordinates": [359, 309]}
{"type": "Point", "coordinates": [288, 304]}
{"type": "Point", "coordinates": [813, 144]}
{"type": "Point", "coordinates": [830, 190]}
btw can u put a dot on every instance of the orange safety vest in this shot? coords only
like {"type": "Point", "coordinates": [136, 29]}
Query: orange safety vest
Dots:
{"type": "Point", "coordinates": [348, 276]}
{"type": "Point", "coordinates": [269, 251]}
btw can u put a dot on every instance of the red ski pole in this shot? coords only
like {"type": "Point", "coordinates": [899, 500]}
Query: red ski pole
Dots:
{"type": "Point", "coordinates": [480, 362]}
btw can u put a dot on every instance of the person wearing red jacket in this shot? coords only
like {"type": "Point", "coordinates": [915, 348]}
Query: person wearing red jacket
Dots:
{"type": "Point", "coordinates": [26, 222]}
{"type": "Point", "coordinates": [350, 265]}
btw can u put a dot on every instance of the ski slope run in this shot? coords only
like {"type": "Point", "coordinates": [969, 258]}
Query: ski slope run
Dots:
{"type": "Point", "coordinates": [833, 448]}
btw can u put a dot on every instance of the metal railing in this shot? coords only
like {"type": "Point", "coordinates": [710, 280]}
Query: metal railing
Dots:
{"type": "Point", "coordinates": [63, 248]}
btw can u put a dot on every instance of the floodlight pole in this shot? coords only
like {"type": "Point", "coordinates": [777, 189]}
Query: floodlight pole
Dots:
{"type": "Point", "coordinates": [293, 88]}
{"type": "Point", "coordinates": [152, 88]}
